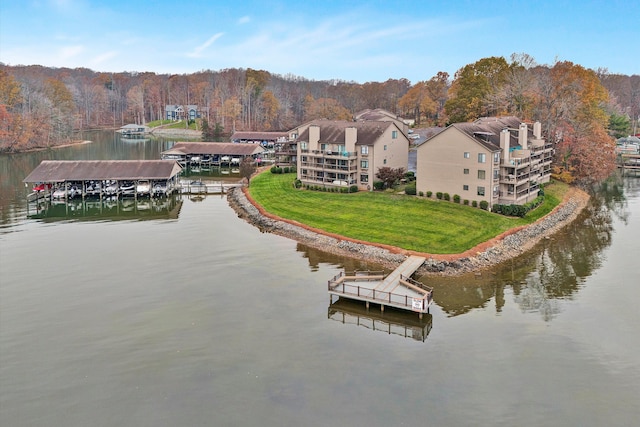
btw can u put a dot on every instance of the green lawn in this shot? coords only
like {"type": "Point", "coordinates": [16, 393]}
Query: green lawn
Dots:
{"type": "Point", "coordinates": [408, 222]}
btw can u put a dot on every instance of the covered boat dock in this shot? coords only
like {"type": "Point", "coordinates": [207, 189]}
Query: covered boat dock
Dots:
{"type": "Point", "coordinates": [211, 153]}
{"type": "Point", "coordinates": [65, 179]}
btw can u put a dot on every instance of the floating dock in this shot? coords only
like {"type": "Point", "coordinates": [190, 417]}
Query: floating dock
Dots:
{"type": "Point", "coordinates": [396, 289]}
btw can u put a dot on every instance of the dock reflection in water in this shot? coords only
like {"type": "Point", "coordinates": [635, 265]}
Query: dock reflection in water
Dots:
{"type": "Point", "coordinates": [390, 321]}
{"type": "Point", "coordinates": [165, 208]}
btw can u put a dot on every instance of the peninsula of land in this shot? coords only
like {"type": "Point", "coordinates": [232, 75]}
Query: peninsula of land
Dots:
{"type": "Point", "coordinates": [503, 247]}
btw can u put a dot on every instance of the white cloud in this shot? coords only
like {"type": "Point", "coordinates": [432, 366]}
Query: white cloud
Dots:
{"type": "Point", "coordinates": [103, 57]}
{"type": "Point", "coordinates": [67, 52]}
{"type": "Point", "coordinates": [197, 51]}
{"type": "Point", "coordinates": [244, 20]}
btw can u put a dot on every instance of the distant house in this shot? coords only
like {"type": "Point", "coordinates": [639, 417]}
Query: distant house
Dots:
{"type": "Point", "coordinates": [133, 129]}
{"type": "Point", "coordinates": [381, 115]}
{"type": "Point", "coordinates": [344, 153]}
{"type": "Point", "coordinates": [181, 112]}
{"type": "Point", "coordinates": [497, 160]}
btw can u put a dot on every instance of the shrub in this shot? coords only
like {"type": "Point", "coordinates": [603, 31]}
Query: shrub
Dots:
{"type": "Point", "coordinates": [297, 183]}
{"type": "Point", "coordinates": [276, 169]}
{"type": "Point", "coordinates": [446, 196]}
{"type": "Point", "coordinates": [439, 195]}
{"type": "Point", "coordinates": [421, 194]}
{"type": "Point", "coordinates": [456, 198]}
{"type": "Point", "coordinates": [286, 169]}
{"type": "Point", "coordinates": [378, 185]}
{"type": "Point", "coordinates": [410, 189]}
{"type": "Point", "coordinates": [429, 193]}
{"type": "Point", "coordinates": [484, 205]}
{"type": "Point", "coordinates": [353, 189]}
{"type": "Point", "coordinates": [410, 176]}
{"type": "Point", "coordinates": [466, 202]}
{"type": "Point", "coordinates": [474, 204]}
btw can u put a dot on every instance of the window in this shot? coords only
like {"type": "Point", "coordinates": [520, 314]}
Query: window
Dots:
{"type": "Point", "coordinates": [341, 149]}
{"type": "Point", "coordinates": [384, 162]}
{"type": "Point", "coordinates": [496, 157]}
{"type": "Point", "coordinates": [364, 149]}
{"type": "Point", "coordinates": [303, 145]}
{"type": "Point", "coordinates": [364, 178]}
{"type": "Point", "coordinates": [364, 164]}
{"type": "Point", "coordinates": [467, 155]}
{"type": "Point", "coordinates": [496, 174]}
{"type": "Point", "coordinates": [385, 147]}
{"type": "Point", "coordinates": [481, 174]}
{"type": "Point", "coordinates": [465, 187]}
{"type": "Point", "coordinates": [394, 134]}
{"type": "Point", "coordinates": [466, 171]}
{"type": "Point", "coordinates": [323, 147]}
{"type": "Point", "coordinates": [480, 191]}
{"type": "Point", "coordinates": [482, 157]}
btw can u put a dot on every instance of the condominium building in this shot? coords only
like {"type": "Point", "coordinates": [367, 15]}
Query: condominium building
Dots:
{"type": "Point", "coordinates": [345, 153]}
{"type": "Point", "coordinates": [495, 159]}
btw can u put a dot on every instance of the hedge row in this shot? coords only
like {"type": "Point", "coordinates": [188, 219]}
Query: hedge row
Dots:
{"type": "Point", "coordinates": [286, 169]}
{"type": "Point", "coordinates": [517, 210]}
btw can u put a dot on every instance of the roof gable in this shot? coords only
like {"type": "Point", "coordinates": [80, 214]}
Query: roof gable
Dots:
{"type": "Point", "coordinates": [333, 131]}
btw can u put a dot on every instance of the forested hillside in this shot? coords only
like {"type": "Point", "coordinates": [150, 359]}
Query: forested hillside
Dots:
{"type": "Point", "coordinates": [43, 106]}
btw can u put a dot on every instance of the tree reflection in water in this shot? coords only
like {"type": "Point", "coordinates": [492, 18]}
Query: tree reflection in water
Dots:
{"type": "Point", "coordinates": [554, 269]}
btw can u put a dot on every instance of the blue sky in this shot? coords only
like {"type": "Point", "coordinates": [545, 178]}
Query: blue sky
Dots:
{"type": "Point", "coordinates": [320, 40]}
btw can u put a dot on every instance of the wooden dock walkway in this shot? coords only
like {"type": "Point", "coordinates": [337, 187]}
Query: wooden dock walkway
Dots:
{"type": "Point", "coordinates": [397, 289]}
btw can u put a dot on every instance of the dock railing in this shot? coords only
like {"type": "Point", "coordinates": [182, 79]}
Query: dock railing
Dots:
{"type": "Point", "coordinates": [408, 281]}
{"type": "Point", "coordinates": [348, 284]}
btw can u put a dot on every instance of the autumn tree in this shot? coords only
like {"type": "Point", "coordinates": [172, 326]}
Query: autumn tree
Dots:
{"type": "Point", "coordinates": [390, 176]}
{"type": "Point", "coordinates": [417, 102]}
{"type": "Point", "coordinates": [472, 87]}
{"type": "Point", "coordinates": [573, 105]}
{"type": "Point", "coordinates": [325, 108]}
{"type": "Point", "coordinates": [247, 169]}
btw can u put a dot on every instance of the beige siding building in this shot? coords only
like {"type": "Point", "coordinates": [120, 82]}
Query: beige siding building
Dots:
{"type": "Point", "coordinates": [499, 160]}
{"type": "Point", "coordinates": [344, 153]}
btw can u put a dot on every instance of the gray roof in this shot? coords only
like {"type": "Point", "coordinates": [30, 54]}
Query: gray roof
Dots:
{"type": "Point", "coordinates": [486, 130]}
{"type": "Point", "coordinates": [375, 115]}
{"type": "Point", "coordinates": [333, 131]}
{"type": "Point", "coordinates": [222, 148]}
{"type": "Point", "coordinates": [87, 170]}
{"type": "Point", "coordinates": [258, 136]}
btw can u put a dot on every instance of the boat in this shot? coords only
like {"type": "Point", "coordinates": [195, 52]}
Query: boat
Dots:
{"type": "Point", "coordinates": [42, 187]}
{"type": "Point", "coordinates": [111, 188]}
{"type": "Point", "coordinates": [143, 188]}
{"type": "Point", "coordinates": [59, 193]}
{"type": "Point", "coordinates": [128, 189]}
{"type": "Point", "coordinates": [93, 188]}
{"type": "Point", "coordinates": [160, 189]}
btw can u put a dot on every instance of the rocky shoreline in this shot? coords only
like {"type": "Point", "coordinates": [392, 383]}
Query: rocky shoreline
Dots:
{"type": "Point", "coordinates": [495, 251]}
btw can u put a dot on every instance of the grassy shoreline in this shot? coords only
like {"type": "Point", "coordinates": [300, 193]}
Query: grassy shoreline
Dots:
{"type": "Point", "coordinates": [408, 222]}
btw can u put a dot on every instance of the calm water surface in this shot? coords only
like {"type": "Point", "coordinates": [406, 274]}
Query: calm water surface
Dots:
{"type": "Point", "coordinates": [183, 314]}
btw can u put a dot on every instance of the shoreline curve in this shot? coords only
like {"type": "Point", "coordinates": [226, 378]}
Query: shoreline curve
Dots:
{"type": "Point", "coordinates": [495, 251]}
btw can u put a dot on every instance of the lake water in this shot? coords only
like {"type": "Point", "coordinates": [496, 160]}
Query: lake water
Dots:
{"type": "Point", "coordinates": [186, 315]}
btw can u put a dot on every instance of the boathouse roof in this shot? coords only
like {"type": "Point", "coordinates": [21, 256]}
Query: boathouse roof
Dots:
{"type": "Point", "coordinates": [258, 136]}
{"type": "Point", "coordinates": [222, 148]}
{"type": "Point", "coordinates": [87, 170]}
